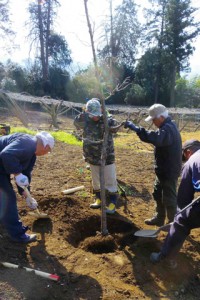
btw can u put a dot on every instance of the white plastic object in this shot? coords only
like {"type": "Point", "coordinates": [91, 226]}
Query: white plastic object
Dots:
{"type": "Point", "coordinates": [72, 190]}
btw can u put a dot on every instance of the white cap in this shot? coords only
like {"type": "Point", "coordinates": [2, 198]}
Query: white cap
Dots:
{"type": "Point", "coordinates": [156, 111]}
{"type": "Point", "coordinates": [46, 139]}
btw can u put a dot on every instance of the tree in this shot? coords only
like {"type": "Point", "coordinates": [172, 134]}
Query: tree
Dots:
{"type": "Point", "coordinates": [59, 54]}
{"type": "Point", "coordinates": [91, 33]}
{"type": "Point", "coordinates": [180, 30]}
{"type": "Point", "coordinates": [41, 23]}
{"type": "Point", "coordinates": [6, 33]}
{"type": "Point", "coordinates": [154, 32]}
{"type": "Point", "coordinates": [146, 75]}
{"type": "Point", "coordinates": [171, 29]}
{"type": "Point", "coordinates": [121, 34]}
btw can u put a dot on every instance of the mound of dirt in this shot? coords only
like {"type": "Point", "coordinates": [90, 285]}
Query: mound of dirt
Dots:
{"type": "Point", "coordinates": [92, 266]}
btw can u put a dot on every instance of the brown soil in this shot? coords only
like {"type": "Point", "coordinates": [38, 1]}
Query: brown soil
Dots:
{"type": "Point", "coordinates": [70, 244]}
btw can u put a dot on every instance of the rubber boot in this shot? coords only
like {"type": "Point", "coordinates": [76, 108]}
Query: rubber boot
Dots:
{"type": "Point", "coordinates": [112, 206]}
{"type": "Point", "coordinates": [97, 203]}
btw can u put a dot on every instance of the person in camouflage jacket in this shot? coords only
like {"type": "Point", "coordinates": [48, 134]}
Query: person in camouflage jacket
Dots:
{"type": "Point", "coordinates": [91, 123]}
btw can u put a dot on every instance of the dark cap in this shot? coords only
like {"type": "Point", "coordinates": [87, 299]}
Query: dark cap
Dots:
{"type": "Point", "coordinates": [192, 144]}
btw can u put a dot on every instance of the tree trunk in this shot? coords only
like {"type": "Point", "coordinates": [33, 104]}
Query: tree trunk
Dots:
{"type": "Point", "coordinates": [104, 230]}
{"type": "Point", "coordinates": [172, 87]}
{"type": "Point", "coordinates": [41, 37]}
{"type": "Point", "coordinates": [91, 37]}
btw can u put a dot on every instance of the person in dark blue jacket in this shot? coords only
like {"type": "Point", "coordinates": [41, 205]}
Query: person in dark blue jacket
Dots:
{"type": "Point", "coordinates": [185, 221]}
{"type": "Point", "coordinates": [168, 162]}
{"type": "Point", "coordinates": [18, 154]}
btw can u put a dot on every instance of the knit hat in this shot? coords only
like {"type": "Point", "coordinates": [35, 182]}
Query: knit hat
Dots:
{"type": "Point", "coordinates": [156, 111]}
{"type": "Point", "coordinates": [46, 139]}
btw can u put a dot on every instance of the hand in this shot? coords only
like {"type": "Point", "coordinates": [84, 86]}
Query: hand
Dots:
{"type": "Point", "coordinates": [31, 203]}
{"type": "Point", "coordinates": [21, 180]}
{"type": "Point", "coordinates": [131, 125]}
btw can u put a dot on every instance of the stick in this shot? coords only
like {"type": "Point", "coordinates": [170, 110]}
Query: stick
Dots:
{"type": "Point", "coordinates": [36, 272]}
{"type": "Point", "coordinates": [72, 190]}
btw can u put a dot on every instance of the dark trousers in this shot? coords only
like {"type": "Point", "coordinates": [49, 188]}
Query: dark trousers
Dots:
{"type": "Point", "coordinates": [165, 196]}
{"type": "Point", "coordinates": [180, 229]}
{"type": "Point", "coordinates": [8, 208]}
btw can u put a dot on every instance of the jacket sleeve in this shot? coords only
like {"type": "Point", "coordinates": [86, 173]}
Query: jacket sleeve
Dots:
{"type": "Point", "coordinates": [186, 188]}
{"type": "Point", "coordinates": [160, 138]}
{"type": "Point", "coordinates": [79, 121]}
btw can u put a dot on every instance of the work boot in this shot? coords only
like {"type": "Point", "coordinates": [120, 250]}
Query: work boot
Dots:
{"type": "Point", "coordinates": [110, 209]}
{"type": "Point", "coordinates": [156, 221]}
{"type": "Point", "coordinates": [96, 204]}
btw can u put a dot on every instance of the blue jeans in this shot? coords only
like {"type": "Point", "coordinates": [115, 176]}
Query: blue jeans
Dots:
{"type": "Point", "coordinates": [8, 208]}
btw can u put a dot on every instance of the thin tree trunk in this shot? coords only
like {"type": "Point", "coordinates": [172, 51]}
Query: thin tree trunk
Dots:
{"type": "Point", "coordinates": [41, 37]}
{"type": "Point", "coordinates": [172, 87]}
{"type": "Point", "coordinates": [47, 40]}
{"type": "Point", "coordinates": [91, 36]}
{"type": "Point", "coordinates": [104, 230]}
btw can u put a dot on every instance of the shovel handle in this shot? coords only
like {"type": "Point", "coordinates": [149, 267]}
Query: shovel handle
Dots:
{"type": "Point", "coordinates": [190, 204]}
{"type": "Point", "coordinates": [29, 195]}
{"type": "Point", "coordinates": [166, 226]}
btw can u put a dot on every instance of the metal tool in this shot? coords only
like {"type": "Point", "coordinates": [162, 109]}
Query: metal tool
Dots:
{"type": "Point", "coordinates": [35, 213]}
{"type": "Point", "coordinates": [154, 233]}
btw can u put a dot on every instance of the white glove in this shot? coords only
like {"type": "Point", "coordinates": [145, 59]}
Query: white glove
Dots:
{"type": "Point", "coordinates": [21, 180]}
{"type": "Point", "coordinates": [31, 202]}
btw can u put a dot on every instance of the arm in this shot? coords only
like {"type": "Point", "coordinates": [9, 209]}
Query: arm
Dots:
{"type": "Point", "coordinates": [79, 121]}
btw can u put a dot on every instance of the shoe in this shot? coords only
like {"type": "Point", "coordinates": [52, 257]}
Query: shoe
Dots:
{"type": "Point", "coordinates": [154, 221]}
{"type": "Point", "coordinates": [156, 257]}
{"type": "Point", "coordinates": [25, 238]}
{"type": "Point", "coordinates": [96, 204]}
{"type": "Point", "coordinates": [110, 209]}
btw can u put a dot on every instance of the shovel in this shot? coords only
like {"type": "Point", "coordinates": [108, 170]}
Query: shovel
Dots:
{"type": "Point", "coordinates": [154, 233]}
{"type": "Point", "coordinates": [35, 213]}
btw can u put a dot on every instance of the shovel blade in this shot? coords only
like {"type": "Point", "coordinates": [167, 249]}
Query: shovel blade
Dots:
{"type": "Point", "coordinates": [147, 233]}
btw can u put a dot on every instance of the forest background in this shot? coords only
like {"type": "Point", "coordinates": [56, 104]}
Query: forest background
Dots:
{"type": "Point", "coordinates": [150, 46]}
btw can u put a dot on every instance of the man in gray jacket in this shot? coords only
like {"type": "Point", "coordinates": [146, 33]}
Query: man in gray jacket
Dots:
{"type": "Point", "coordinates": [168, 154]}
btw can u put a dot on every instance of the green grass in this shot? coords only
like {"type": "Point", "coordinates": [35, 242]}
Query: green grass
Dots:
{"type": "Point", "coordinates": [123, 140]}
{"type": "Point", "coordinates": [58, 135]}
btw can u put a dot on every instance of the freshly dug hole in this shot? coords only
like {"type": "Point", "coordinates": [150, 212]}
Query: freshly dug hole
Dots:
{"type": "Point", "coordinates": [84, 235]}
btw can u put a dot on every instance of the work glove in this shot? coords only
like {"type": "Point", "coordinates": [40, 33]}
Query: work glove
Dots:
{"type": "Point", "coordinates": [21, 180]}
{"type": "Point", "coordinates": [131, 125]}
{"type": "Point", "coordinates": [31, 203]}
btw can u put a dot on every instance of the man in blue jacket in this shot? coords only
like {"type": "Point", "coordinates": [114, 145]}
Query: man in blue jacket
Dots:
{"type": "Point", "coordinates": [18, 154]}
{"type": "Point", "coordinates": [168, 154]}
{"type": "Point", "coordinates": [190, 218]}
